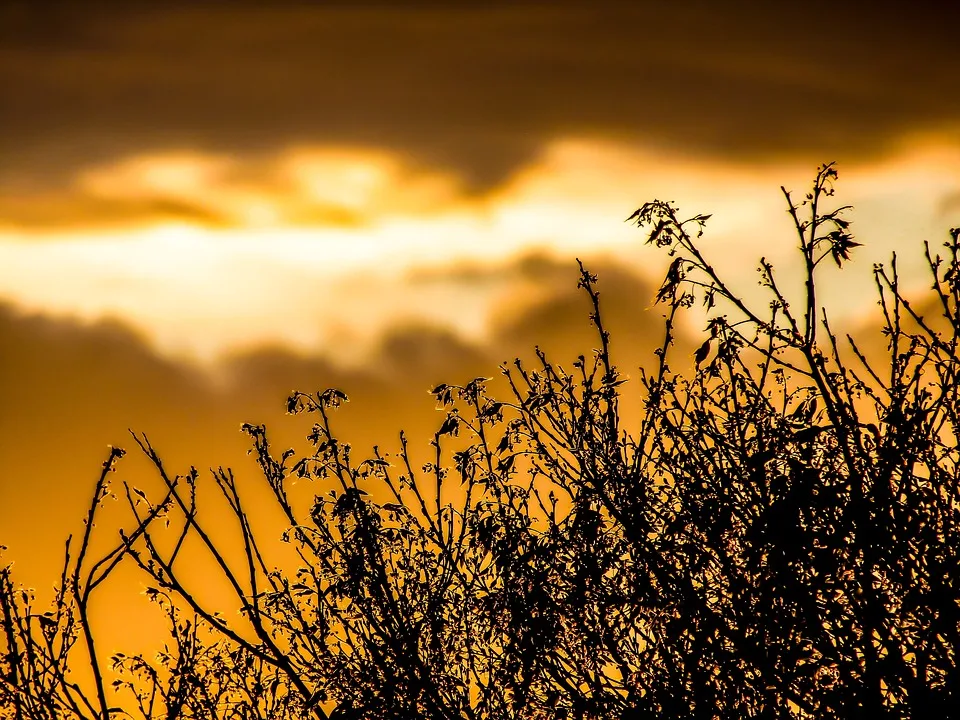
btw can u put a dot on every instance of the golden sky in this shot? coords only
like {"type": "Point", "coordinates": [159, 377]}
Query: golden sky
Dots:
{"type": "Point", "coordinates": [204, 206]}
{"type": "Point", "coordinates": [322, 249]}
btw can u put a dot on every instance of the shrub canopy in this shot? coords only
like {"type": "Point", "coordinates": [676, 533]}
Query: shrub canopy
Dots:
{"type": "Point", "coordinates": [775, 537]}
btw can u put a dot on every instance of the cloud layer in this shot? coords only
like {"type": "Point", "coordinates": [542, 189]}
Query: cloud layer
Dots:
{"type": "Point", "coordinates": [478, 87]}
{"type": "Point", "coordinates": [323, 248]}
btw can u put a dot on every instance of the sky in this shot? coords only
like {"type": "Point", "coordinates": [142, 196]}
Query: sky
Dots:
{"type": "Point", "coordinates": [193, 169]}
{"type": "Point", "coordinates": [206, 205]}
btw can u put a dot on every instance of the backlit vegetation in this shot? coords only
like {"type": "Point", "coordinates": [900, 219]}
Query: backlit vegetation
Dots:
{"type": "Point", "coordinates": [775, 537]}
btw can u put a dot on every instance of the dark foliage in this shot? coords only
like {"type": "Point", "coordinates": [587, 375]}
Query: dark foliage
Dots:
{"type": "Point", "coordinates": [777, 537]}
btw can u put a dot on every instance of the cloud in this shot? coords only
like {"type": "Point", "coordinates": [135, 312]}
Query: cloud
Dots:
{"type": "Point", "coordinates": [320, 247]}
{"type": "Point", "coordinates": [317, 186]}
{"type": "Point", "coordinates": [477, 88]}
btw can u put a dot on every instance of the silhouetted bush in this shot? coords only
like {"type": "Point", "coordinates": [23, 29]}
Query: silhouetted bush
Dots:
{"type": "Point", "coordinates": [776, 537]}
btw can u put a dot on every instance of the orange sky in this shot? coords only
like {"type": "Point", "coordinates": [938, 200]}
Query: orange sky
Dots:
{"type": "Point", "coordinates": [205, 206]}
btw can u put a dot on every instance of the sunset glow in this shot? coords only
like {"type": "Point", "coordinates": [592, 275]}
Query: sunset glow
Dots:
{"type": "Point", "coordinates": [317, 239]}
{"type": "Point", "coordinates": [347, 296]}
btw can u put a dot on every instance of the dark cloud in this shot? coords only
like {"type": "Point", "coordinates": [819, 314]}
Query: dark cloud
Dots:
{"type": "Point", "coordinates": [474, 86]}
